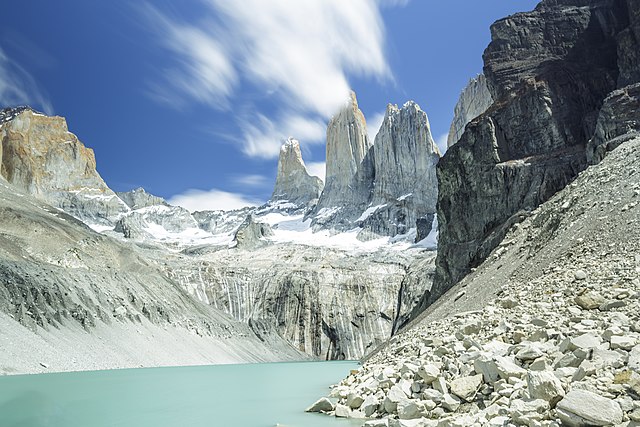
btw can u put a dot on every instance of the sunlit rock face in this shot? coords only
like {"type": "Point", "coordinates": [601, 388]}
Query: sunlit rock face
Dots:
{"type": "Point", "coordinates": [41, 157]}
{"type": "Point", "coordinates": [293, 182]}
{"type": "Point", "coordinates": [405, 187]}
{"type": "Point", "coordinates": [350, 169]}
{"type": "Point", "coordinates": [385, 188]}
{"type": "Point", "coordinates": [474, 100]}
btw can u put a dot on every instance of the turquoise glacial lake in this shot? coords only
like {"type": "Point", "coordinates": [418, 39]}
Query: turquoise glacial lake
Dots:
{"type": "Point", "coordinates": [253, 395]}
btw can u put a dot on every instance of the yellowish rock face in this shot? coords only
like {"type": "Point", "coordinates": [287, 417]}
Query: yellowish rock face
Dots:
{"type": "Point", "coordinates": [36, 148]}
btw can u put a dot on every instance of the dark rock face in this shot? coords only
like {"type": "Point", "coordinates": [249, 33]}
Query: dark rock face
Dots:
{"type": "Point", "coordinates": [549, 72]}
{"type": "Point", "coordinates": [618, 122]}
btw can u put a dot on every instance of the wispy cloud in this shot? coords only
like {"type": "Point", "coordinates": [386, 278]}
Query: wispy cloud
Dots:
{"type": "Point", "coordinates": [302, 53]}
{"type": "Point", "coordinates": [318, 169]}
{"type": "Point", "coordinates": [18, 87]}
{"type": "Point", "coordinates": [263, 137]}
{"type": "Point", "coordinates": [212, 200]}
{"type": "Point", "coordinates": [253, 180]}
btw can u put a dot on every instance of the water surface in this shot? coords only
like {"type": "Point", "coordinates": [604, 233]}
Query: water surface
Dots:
{"type": "Point", "coordinates": [254, 395]}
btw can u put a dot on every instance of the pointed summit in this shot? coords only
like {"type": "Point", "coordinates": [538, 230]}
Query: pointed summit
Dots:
{"type": "Point", "coordinates": [293, 182]}
{"type": "Point", "coordinates": [349, 160]}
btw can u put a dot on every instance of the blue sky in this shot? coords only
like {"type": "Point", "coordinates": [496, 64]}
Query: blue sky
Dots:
{"type": "Point", "coordinates": [192, 99]}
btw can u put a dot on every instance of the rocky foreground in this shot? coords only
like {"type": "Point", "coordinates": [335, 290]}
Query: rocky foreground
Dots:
{"type": "Point", "coordinates": [545, 333]}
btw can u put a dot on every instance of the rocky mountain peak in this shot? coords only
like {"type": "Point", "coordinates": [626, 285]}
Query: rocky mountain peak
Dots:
{"type": "Point", "coordinates": [293, 182]}
{"type": "Point", "coordinates": [349, 157]}
{"type": "Point", "coordinates": [139, 198]}
{"type": "Point", "coordinates": [405, 171]}
{"type": "Point", "coordinates": [40, 156]}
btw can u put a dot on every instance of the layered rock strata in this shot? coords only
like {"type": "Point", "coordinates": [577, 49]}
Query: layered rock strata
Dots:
{"type": "Point", "coordinates": [474, 100]}
{"type": "Point", "coordinates": [329, 303]}
{"type": "Point", "coordinates": [73, 299]}
{"type": "Point", "coordinates": [293, 182]}
{"type": "Point", "coordinates": [548, 87]}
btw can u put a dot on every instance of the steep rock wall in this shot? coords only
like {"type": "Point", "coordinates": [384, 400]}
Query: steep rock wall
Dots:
{"type": "Point", "coordinates": [549, 72]}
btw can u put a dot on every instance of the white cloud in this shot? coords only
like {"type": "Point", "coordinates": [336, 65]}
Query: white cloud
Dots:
{"type": "Point", "coordinates": [214, 199]}
{"type": "Point", "coordinates": [263, 137]}
{"type": "Point", "coordinates": [318, 169]}
{"type": "Point", "coordinates": [252, 180]}
{"type": "Point", "coordinates": [441, 142]}
{"type": "Point", "coordinates": [205, 72]}
{"type": "Point", "coordinates": [373, 125]}
{"type": "Point", "coordinates": [18, 87]}
{"type": "Point", "coordinates": [302, 53]}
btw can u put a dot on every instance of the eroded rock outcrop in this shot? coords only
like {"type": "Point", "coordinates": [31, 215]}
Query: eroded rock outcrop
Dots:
{"type": "Point", "coordinates": [474, 100]}
{"type": "Point", "coordinates": [405, 187]}
{"type": "Point", "coordinates": [293, 182]}
{"type": "Point", "coordinates": [549, 72]}
{"type": "Point", "coordinates": [41, 157]}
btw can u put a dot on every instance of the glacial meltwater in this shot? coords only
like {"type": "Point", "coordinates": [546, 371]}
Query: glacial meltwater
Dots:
{"type": "Point", "coordinates": [252, 395]}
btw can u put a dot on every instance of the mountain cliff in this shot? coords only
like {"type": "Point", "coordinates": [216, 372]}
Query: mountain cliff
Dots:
{"type": "Point", "coordinates": [405, 188]}
{"type": "Point", "coordinates": [387, 188]}
{"type": "Point", "coordinates": [40, 156]}
{"type": "Point", "coordinates": [293, 182]}
{"type": "Point", "coordinates": [549, 88]}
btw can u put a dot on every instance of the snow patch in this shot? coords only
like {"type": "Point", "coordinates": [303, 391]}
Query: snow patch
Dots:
{"type": "Point", "coordinates": [370, 211]}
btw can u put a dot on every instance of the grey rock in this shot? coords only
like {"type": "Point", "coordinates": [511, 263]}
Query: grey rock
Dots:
{"type": "Point", "coordinates": [252, 233]}
{"type": "Point", "coordinates": [405, 158]}
{"type": "Point", "coordinates": [140, 223]}
{"type": "Point", "coordinates": [342, 411]}
{"type": "Point", "coordinates": [350, 169]}
{"type": "Point", "coordinates": [584, 408]}
{"type": "Point", "coordinates": [474, 100]}
{"type": "Point", "coordinates": [139, 198]}
{"type": "Point", "coordinates": [634, 359]}
{"type": "Point", "coordinates": [466, 387]}
{"type": "Point", "coordinates": [293, 182]}
{"type": "Point", "coordinates": [618, 121]}
{"type": "Point", "coordinates": [545, 385]}
{"type": "Point", "coordinates": [321, 405]}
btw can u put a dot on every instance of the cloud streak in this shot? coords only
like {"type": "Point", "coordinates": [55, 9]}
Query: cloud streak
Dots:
{"type": "Point", "coordinates": [18, 87]}
{"type": "Point", "coordinates": [299, 55]}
